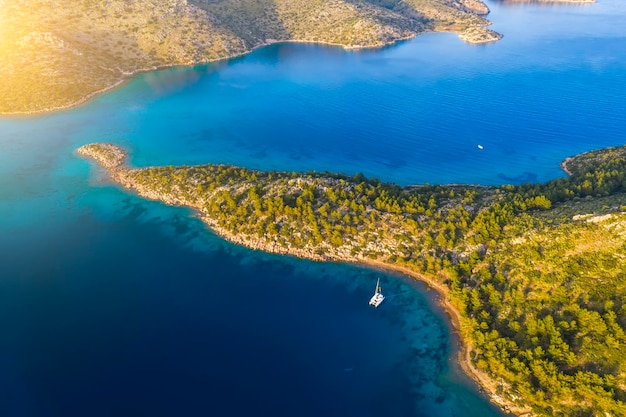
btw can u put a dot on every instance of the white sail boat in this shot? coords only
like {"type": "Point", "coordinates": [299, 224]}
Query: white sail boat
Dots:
{"type": "Point", "coordinates": [378, 296]}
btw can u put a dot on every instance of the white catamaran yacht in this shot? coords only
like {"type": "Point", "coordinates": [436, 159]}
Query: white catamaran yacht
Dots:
{"type": "Point", "coordinates": [378, 296]}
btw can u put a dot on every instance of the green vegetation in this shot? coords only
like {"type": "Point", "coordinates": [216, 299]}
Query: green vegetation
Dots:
{"type": "Point", "coordinates": [537, 271]}
{"type": "Point", "coordinates": [57, 53]}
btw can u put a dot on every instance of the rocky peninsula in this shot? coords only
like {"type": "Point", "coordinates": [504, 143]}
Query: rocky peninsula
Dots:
{"type": "Point", "coordinates": [59, 54]}
{"type": "Point", "coordinates": [532, 276]}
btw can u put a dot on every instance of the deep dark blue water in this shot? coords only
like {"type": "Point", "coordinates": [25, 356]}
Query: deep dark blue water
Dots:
{"type": "Point", "coordinates": [115, 306]}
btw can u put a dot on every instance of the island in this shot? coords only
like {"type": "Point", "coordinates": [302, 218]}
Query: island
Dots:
{"type": "Point", "coordinates": [58, 54]}
{"type": "Point", "coordinates": [533, 276]}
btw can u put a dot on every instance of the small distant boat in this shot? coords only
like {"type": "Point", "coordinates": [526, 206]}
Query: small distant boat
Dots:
{"type": "Point", "coordinates": [378, 296]}
{"type": "Point", "coordinates": [481, 147]}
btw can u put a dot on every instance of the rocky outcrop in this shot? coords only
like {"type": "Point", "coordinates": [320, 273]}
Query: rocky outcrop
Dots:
{"type": "Point", "coordinates": [479, 35]}
{"type": "Point", "coordinates": [476, 6]}
{"type": "Point", "coordinates": [110, 156]}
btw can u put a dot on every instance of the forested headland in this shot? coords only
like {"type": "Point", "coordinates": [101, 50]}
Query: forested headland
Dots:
{"type": "Point", "coordinates": [536, 272]}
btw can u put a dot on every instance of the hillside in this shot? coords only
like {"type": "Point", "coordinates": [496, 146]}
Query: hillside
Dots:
{"type": "Point", "coordinates": [535, 274]}
{"type": "Point", "coordinates": [56, 54]}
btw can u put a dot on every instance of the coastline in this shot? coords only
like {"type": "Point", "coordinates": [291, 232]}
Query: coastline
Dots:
{"type": "Point", "coordinates": [273, 211]}
{"type": "Point", "coordinates": [462, 351]}
{"type": "Point", "coordinates": [116, 166]}
{"type": "Point", "coordinates": [563, 165]}
{"type": "Point", "coordinates": [127, 76]}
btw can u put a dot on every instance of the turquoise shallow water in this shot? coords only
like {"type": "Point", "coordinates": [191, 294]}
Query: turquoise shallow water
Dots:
{"type": "Point", "coordinates": [111, 305]}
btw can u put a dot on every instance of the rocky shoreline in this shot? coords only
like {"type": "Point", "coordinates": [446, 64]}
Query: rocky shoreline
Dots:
{"type": "Point", "coordinates": [563, 165]}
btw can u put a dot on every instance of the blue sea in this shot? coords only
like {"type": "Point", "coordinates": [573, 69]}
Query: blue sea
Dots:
{"type": "Point", "coordinates": [111, 305]}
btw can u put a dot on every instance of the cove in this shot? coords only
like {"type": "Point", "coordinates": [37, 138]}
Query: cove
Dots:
{"type": "Point", "coordinates": [116, 306]}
